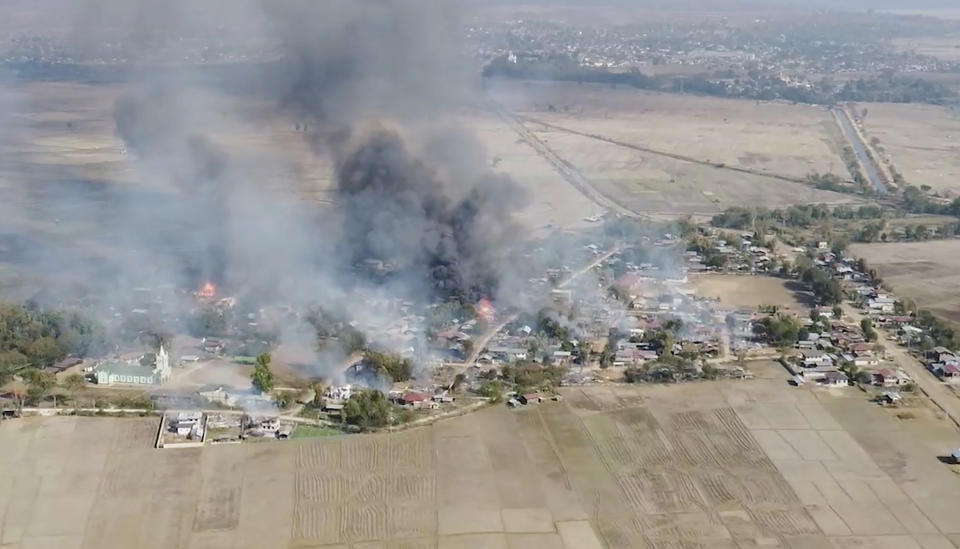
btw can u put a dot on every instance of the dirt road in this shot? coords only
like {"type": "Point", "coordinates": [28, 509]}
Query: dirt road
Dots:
{"type": "Point", "coordinates": [484, 340]}
{"type": "Point", "coordinates": [940, 394]}
{"type": "Point", "coordinates": [564, 168]}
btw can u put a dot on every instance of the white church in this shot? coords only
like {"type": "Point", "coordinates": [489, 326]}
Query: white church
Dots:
{"type": "Point", "coordinates": [134, 373]}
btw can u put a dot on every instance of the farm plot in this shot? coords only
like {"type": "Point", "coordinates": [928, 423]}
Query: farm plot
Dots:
{"type": "Point", "coordinates": [923, 142]}
{"type": "Point", "coordinates": [926, 272]}
{"type": "Point", "coordinates": [662, 153]}
{"type": "Point", "coordinates": [722, 465]}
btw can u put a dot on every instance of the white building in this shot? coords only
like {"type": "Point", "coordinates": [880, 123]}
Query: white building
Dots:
{"type": "Point", "coordinates": [134, 373]}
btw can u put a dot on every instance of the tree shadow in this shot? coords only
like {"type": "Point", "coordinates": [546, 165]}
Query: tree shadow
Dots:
{"type": "Point", "coordinates": [801, 293]}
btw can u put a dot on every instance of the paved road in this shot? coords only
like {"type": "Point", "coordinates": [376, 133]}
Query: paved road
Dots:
{"type": "Point", "coordinates": [870, 168]}
{"type": "Point", "coordinates": [938, 392]}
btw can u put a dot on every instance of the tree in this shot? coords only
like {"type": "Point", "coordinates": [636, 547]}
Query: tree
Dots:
{"type": "Point", "coordinates": [261, 376]}
{"type": "Point", "coordinates": [583, 353]}
{"type": "Point", "coordinates": [11, 364]}
{"type": "Point", "coordinates": [353, 340]}
{"type": "Point", "coordinates": [210, 321]}
{"type": "Point", "coordinates": [367, 409]}
{"type": "Point", "coordinates": [282, 399]}
{"type": "Point", "coordinates": [866, 325]}
{"type": "Point", "coordinates": [393, 366]}
{"type": "Point", "coordinates": [73, 383]}
{"type": "Point", "coordinates": [782, 330]}
{"type": "Point", "coordinates": [44, 352]}
{"type": "Point", "coordinates": [39, 384]}
{"type": "Point", "coordinates": [319, 390]}
{"type": "Point", "coordinates": [491, 389]}
{"type": "Point", "coordinates": [840, 244]}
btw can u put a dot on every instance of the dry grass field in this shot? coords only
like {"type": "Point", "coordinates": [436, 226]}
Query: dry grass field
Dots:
{"type": "Point", "coordinates": [926, 272]}
{"type": "Point", "coordinates": [768, 138]}
{"type": "Point", "coordinates": [707, 465]}
{"type": "Point", "coordinates": [62, 162]}
{"type": "Point", "coordinates": [946, 48]}
{"type": "Point", "coordinates": [750, 292]}
{"type": "Point", "coordinates": [922, 140]}
{"type": "Point", "coordinates": [56, 132]}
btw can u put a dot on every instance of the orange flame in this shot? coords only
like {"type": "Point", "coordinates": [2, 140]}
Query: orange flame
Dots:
{"type": "Point", "coordinates": [485, 310]}
{"type": "Point", "coordinates": [208, 290]}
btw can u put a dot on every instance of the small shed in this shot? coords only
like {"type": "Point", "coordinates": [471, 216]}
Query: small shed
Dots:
{"type": "Point", "coordinates": [531, 398]}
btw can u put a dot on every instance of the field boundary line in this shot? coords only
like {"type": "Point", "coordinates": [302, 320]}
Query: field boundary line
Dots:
{"type": "Point", "coordinates": [556, 450]}
{"type": "Point", "coordinates": [674, 156]}
{"type": "Point", "coordinates": [566, 170]}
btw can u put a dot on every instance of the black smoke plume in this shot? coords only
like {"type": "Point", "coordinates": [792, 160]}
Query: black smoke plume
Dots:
{"type": "Point", "coordinates": [399, 210]}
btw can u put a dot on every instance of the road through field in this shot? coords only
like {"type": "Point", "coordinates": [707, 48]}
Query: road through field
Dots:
{"type": "Point", "coordinates": [564, 168]}
{"type": "Point", "coordinates": [673, 156]}
{"type": "Point", "coordinates": [870, 168]}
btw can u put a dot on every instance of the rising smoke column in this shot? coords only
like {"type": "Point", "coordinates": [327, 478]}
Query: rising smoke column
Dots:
{"type": "Point", "coordinates": [396, 208]}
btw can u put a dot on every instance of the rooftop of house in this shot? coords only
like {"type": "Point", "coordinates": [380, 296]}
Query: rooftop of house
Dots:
{"type": "Point", "coordinates": [414, 397]}
{"type": "Point", "coordinates": [835, 376]}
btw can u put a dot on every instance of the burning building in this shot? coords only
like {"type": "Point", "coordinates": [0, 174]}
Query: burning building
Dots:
{"type": "Point", "coordinates": [207, 291]}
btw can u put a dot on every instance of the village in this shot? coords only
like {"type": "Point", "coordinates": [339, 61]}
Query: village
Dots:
{"type": "Point", "coordinates": [637, 310]}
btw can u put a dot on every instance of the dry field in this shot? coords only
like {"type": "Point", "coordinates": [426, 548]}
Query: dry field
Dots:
{"type": "Point", "coordinates": [922, 140]}
{"type": "Point", "coordinates": [743, 291]}
{"type": "Point", "coordinates": [926, 272]}
{"type": "Point", "coordinates": [65, 168]}
{"type": "Point", "coordinates": [708, 465]}
{"type": "Point", "coordinates": [54, 132]}
{"type": "Point", "coordinates": [768, 138]}
{"type": "Point", "coordinates": [946, 48]}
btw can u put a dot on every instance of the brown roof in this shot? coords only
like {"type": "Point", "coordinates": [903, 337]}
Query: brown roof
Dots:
{"type": "Point", "coordinates": [414, 397]}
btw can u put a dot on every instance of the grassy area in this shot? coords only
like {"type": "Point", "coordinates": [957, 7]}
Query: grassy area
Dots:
{"type": "Point", "coordinates": [310, 431]}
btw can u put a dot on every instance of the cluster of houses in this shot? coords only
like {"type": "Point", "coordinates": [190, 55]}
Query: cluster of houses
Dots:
{"type": "Point", "coordinates": [944, 363]}
{"type": "Point", "coordinates": [881, 306]}
{"type": "Point", "coordinates": [749, 257]}
{"type": "Point", "coordinates": [822, 354]}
